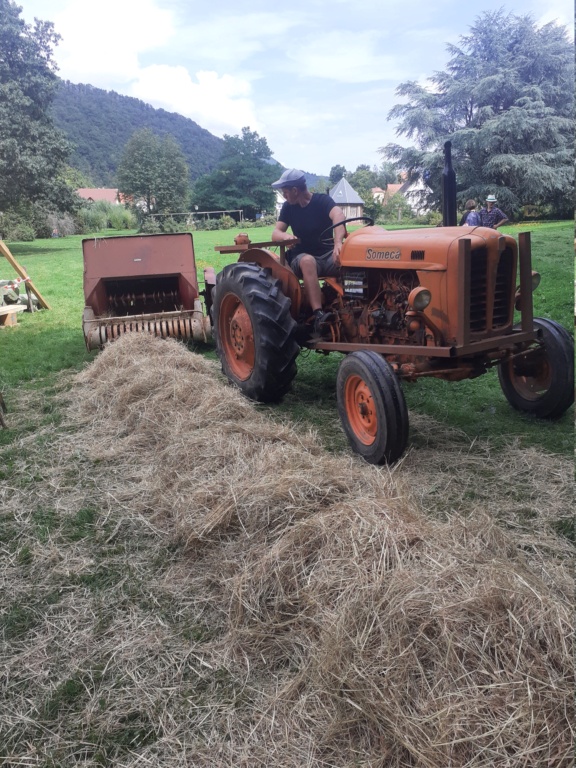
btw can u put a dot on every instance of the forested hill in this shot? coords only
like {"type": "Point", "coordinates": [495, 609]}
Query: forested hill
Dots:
{"type": "Point", "coordinates": [98, 124]}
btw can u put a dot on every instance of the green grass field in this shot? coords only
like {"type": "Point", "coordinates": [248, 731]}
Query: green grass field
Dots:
{"type": "Point", "coordinates": [48, 342]}
{"type": "Point", "coordinates": [177, 572]}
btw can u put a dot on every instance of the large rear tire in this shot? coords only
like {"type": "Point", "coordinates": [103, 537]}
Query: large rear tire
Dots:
{"type": "Point", "coordinates": [541, 381]}
{"type": "Point", "coordinates": [254, 332]}
{"type": "Point", "coordinates": [372, 408]}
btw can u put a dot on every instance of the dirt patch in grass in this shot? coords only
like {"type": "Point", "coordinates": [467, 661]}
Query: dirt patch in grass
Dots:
{"type": "Point", "coordinates": [190, 582]}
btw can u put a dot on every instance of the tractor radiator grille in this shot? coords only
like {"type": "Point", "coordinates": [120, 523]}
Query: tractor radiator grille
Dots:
{"type": "Point", "coordinates": [480, 317]}
{"type": "Point", "coordinates": [501, 315]}
{"type": "Point", "coordinates": [478, 291]}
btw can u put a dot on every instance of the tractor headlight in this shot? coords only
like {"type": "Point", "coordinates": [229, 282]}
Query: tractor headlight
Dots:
{"type": "Point", "coordinates": [535, 283]}
{"type": "Point", "coordinates": [419, 298]}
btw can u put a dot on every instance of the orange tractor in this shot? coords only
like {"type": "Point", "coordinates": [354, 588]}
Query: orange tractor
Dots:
{"type": "Point", "coordinates": [407, 304]}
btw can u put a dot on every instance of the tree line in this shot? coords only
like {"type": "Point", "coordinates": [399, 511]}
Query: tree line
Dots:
{"type": "Point", "coordinates": [505, 101]}
{"type": "Point", "coordinates": [98, 123]}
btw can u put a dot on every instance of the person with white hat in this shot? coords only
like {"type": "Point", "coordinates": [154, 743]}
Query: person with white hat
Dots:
{"type": "Point", "coordinates": [491, 216]}
{"type": "Point", "coordinates": [309, 215]}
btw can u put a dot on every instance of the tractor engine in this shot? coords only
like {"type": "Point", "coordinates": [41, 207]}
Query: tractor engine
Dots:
{"type": "Point", "coordinates": [372, 304]}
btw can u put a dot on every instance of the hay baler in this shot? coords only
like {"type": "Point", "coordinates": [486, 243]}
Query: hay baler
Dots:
{"type": "Point", "coordinates": [407, 304]}
{"type": "Point", "coordinates": [143, 283]}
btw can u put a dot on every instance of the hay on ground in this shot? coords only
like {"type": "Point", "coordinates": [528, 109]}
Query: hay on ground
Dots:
{"type": "Point", "coordinates": [260, 602]}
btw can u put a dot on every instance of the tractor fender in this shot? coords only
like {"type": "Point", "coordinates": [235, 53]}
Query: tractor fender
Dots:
{"type": "Point", "coordinates": [290, 283]}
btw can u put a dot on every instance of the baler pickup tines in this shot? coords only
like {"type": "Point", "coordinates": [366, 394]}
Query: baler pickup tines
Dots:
{"type": "Point", "coordinates": [143, 284]}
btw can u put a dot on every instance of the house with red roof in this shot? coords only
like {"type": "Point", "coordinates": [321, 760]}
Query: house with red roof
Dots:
{"type": "Point", "coordinates": [95, 195]}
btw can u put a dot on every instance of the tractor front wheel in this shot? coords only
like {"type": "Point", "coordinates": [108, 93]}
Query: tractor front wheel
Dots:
{"type": "Point", "coordinates": [372, 408]}
{"type": "Point", "coordinates": [541, 380]}
{"type": "Point", "coordinates": [254, 331]}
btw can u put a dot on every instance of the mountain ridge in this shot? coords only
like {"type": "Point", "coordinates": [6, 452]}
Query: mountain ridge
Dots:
{"type": "Point", "coordinates": [98, 123]}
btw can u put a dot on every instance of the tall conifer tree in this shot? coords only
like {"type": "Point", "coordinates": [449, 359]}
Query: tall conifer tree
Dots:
{"type": "Point", "coordinates": [506, 102]}
{"type": "Point", "coordinates": [32, 151]}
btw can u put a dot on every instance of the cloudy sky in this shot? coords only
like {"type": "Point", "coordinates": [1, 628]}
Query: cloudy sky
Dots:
{"type": "Point", "coordinates": [316, 78]}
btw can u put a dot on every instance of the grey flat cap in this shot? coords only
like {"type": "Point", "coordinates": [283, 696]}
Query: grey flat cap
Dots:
{"type": "Point", "coordinates": [291, 178]}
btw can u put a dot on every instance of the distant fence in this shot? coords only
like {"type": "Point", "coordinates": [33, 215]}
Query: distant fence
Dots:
{"type": "Point", "coordinates": [189, 216]}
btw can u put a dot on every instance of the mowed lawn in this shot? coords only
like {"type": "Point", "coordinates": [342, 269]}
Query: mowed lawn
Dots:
{"type": "Point", "coordinates": [48, 342]}
{"type": "Point", "coordinates": [192, 579]}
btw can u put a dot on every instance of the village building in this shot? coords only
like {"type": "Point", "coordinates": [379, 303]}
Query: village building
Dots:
{"type": "Point", "coordinates": [100, 193]}
{"type": "Point", "coordinates": [348, 199]}
{"type": "Point", "coordinates": [413, 192]}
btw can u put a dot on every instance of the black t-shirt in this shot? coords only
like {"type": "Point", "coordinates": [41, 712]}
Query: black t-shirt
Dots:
{"type": "Point", "coordinates": [309, 222]}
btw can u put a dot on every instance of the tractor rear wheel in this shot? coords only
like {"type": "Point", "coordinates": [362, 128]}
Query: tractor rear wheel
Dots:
{"type": "Point", "coordinates": [541, 381]}
{"type": "Point", "coordinates": [254, 331]}
{"type": "Point", "coordinates": [372, 408]}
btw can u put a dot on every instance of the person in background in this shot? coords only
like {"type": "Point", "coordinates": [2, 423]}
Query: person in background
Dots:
{"type": "Point", "coordinates": [491, 216]}
{"type": "Point", "coordinates": [470, 217]}
{"type": "Point", "coordinates": [309, 215]}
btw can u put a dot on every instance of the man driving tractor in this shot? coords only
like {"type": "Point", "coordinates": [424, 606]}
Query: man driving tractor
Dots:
{"type": "Point", "coordinates": [311, 217]}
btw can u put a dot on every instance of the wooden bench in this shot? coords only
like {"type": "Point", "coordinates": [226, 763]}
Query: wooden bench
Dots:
{"type": "Point", "coordinates": [9, 313]}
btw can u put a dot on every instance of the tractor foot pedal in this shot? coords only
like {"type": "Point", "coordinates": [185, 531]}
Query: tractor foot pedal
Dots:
{"type": "Point", "coordinates": [322, 322]}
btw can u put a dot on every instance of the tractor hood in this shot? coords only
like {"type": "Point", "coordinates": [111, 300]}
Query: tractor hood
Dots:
{"type": "Point", "coordinates": [423, 249]}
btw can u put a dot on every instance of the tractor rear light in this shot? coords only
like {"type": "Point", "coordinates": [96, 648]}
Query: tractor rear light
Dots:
{"type": "Point", "coordinates": [419, 298]}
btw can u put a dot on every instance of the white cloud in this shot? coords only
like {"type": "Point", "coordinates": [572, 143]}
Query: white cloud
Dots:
{"type": "Point", "coordinates": [232, 39]}
{"type": "Point", "coordinates": [349, 58]}
{"type": "Point", "coordinates": [370, 55]}
{"type": "Point", "coordinates": [220, 104]}
{"type": "Point", "coordinates": [306, 76]}
{"type": "Point", "coordinates": [102, 42]}
{"type": "Point", "coordinates": [559, 12]}
{"type": "Point", "coordinates": [107, 45]}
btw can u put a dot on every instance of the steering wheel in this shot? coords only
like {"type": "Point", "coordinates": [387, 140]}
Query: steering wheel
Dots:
{"type": "Point", "coordinates": [370, 223]}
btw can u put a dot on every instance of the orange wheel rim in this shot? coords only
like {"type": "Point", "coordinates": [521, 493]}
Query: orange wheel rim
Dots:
{"type": "Point", "coordinates": [533, 387]}
{"type": "Point", "coordinates": [360, 409]}
{"type": "Point", "coordinates": [237, 337]}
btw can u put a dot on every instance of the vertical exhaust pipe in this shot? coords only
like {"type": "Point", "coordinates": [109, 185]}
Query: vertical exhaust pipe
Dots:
{"type": "Point", "coordinates": [448, 189]}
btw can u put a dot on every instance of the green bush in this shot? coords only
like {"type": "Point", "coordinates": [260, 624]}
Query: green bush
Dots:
{"type": "Point", "coordinates": [207, 225]}
{"type": "Point", "coordinates": [101, 215]}
{"type": "Point", "coordinates": [536, 212]}
{"type": "Point", "coordinates": [433, 218]}
{"type": "Point", "coordinates": [40, 219]}
{"type": "Point", "coordinates": [397, 210]}
{"type": "Point", "coordinates": [170, 226]}
{"type": "Point", "coordinates": [15, 226]}
{"type": "Point", "coordinates": [149, 226]}
{"type": "Point", "coordinates": [269, 220]}
{"type": "Point", "coordinates": [91, 219]}
{"type": "Point", "coordinates": [121, 218]}
{"type": "Point", "coordinates": [21, 232]}
{"type": "Point", "coordinates": [63, 224]}
{"type": "Point", "coordinates": [33, 220]}
{"type": "Point", "coordinates": [227, 222]}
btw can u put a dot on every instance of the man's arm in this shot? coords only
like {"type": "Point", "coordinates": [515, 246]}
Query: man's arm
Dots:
{"type": "Point", "coordinates": [280, 232]}
{"type": "Point", "coordinates": [337, 214]}
{"type": "Point", "coordinates": [502, 221]}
